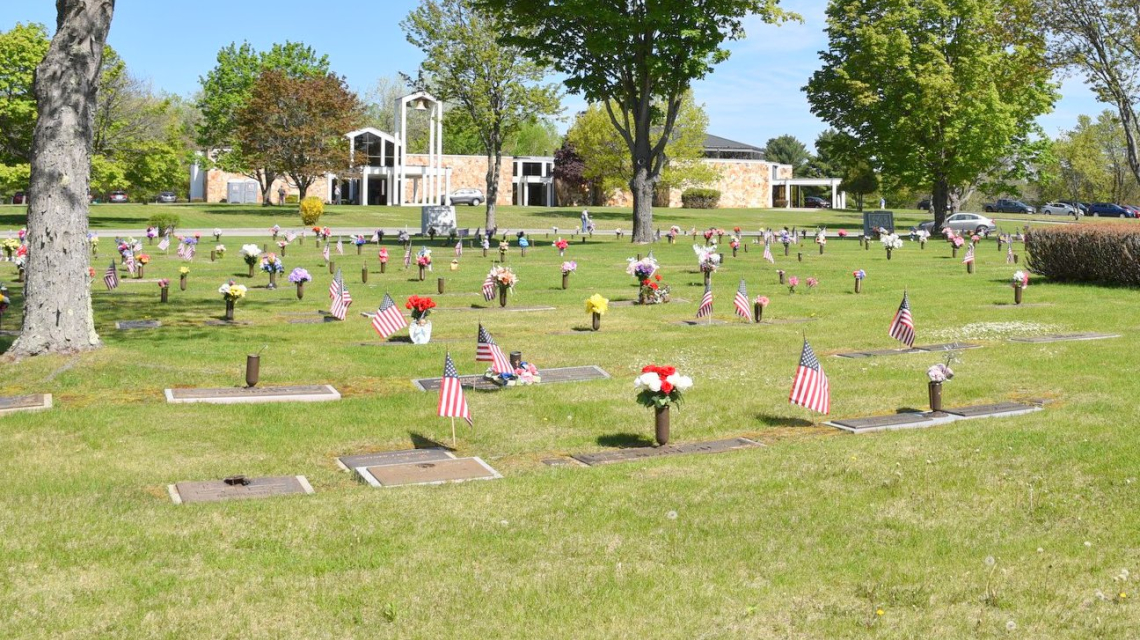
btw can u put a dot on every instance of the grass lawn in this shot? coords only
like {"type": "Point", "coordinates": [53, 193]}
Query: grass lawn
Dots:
{"type": "Point", "coordinates": [1014, 527]}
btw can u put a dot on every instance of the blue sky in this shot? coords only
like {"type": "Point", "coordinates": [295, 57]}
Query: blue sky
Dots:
{"type": "Point", "coordinates": [752, 97]}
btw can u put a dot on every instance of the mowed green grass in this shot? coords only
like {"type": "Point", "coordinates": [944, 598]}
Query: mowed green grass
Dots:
{"type": "Point", "coordinates": [807, 537]}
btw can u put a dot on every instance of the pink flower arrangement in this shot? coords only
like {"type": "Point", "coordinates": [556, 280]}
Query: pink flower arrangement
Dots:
{"type": "Point", "coordinates": [762, 301]}
{"type": "Point", "coordinates": [561, 244]}
{"type": "Point", "coordinates": [812, 283]}
{"type": "Point", "coordinates": [163, 283]}
{"type": "Point", "coordinates": [793, 282]}
{"type": "Point", "coordinates": [957, 241]}
{"type": "Point", "coordinates": [383, 256]}
{"type": "Point", "coordinates": [842, 233]}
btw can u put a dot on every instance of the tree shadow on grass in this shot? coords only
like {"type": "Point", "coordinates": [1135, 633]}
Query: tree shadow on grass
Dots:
{"type": "Point", "coordinates": [782, 421]}
{"type": "Point", "coordinates": [624, 440]}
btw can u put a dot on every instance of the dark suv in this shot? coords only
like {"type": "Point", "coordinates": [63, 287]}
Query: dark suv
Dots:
{"type": "Point", "coordinates": [20, 197]}
{"type": "Point", "coordinates": [1110, 210]}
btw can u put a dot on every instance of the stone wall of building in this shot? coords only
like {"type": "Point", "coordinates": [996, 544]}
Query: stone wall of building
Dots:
{"type": "Point", "coordinates": [216, 188]}
{"type": "Point", "coordinates": [742, 184]}
{"type": "Point", "coordinates": [470, 172]}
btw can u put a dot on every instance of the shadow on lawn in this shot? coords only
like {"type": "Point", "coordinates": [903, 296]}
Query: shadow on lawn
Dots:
{"type": "Point", "coordinates": [782, 421]}
{"type": "Point", "coordinates": [624, 440]}
{"type": "Point", "coordinates": [420, 441]}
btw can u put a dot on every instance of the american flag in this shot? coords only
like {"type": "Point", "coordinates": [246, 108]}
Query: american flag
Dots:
{"type": "Point", "coordinates": [459, 249]}
{"type": "Point", "coordinates": [190, 249]}
{"type": "Point", "coordinates": [768, 249]}
{"type": "Point", "coordinates": [341, 298]}
{"type": "Point", "coordinates": [969, 254]}
{"type": "Point", "coordinates": [1009, 251]}
{"type": "Point", "coordinates": [740, 302]}
{"type": "Point", "coordinates": [325, 252]}
{"type": "Point", "coordinates": [488, 351]}
{"type": "Point", "coordinates": [810, 388]}
{"type": "Point", "coordinates": [164, 244]}
{"type": "Point", "coordinates": [130, 256]}
{"type": "Point", "coordinates": [111, 277]}
{"type": "Point", "coordinates": [489, 287]}
{"type": "Point", "coordinates": [706, 303]}
{"type": "Point", "coordinates": [452, 404]}
{"type": "Point", "coordinates": [407, 258]}
{"type": "Point", "coordinates": [181, 250]}
{"type": "Point", "coordinates": [388, 319]}
{"type": "Point", "coordinates": [340, 246]}
{"type": "Point", "coordinates": [902, 326]}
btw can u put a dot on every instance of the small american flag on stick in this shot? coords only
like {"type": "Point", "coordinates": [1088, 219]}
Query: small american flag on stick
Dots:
{"type": "Point", "coordinates": [459, 249]}
{"type": "Point", "coordinates": [768, 248]}
{"type": "Point", "coordinates": [164, 244]}
{"type": "Point", "coordinates": [111, 277]}
{"type": "Point", "coordinates": [489, 287]}
{"type": "Point", "coordinates": [969, 254]}
{"type": "Point", "coordinates": [388, 319]}
{"type": "Point", "coordinates": [130, 256]}
{"type": "Point", "coordinates": [1009, 251]}
{"type": "Point", "coordinates": [902, 326]}
{"type": "Point", "coordinates": [340, 246]}
{"type": "Point", "coordinates": [452, 403]}
{"type": "Point", "coordinates": [341, 298]}
{"type": "Point", "coordinates": [810, 388]}
{"type": "Point", "coordinates": [407, 257]}
{"type": "Point", "coordinates": [181, 250]}
{"type": "Point", "coordinates": [325, 252]}
{"type": "Point", "coordinates": [740, 302]}
{"type": "Point", "coordinates": [488, 351]}
{"type": "Point", "coordinates": [706, 307]}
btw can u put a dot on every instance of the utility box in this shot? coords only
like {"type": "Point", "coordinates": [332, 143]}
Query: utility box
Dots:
{"type": "Point", "coordinates": [242, 191]}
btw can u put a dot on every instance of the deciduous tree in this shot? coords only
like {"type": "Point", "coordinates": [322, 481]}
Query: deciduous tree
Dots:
{"type": "Point", "coordinates": [630, 55]}
{"type": "Point", "coordinates": [935, 92]}
{"type": "Point", "coordinates": [21, 49]}
{"type": "Point", "coordinates": [465, 63]}
{"type": "Point", "coordinates": [297, 125]}
{"type": "Point", "coordinates": [57, 295]}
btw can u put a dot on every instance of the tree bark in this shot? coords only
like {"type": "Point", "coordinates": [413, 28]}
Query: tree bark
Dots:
{"type": "Point", "coordinates": [642, 189]}
{"type": "Point", "coordinates": [940, 200]}
{"type": "Point", "coordinates": [57, 308]}
{"type": "Point", "coordinates": [494, 165]}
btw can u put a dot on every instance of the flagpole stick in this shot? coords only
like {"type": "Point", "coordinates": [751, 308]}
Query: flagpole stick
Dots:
{"type": "Point", "coordinates": [453, 432]}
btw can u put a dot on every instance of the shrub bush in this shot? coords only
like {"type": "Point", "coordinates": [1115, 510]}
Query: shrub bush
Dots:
{"type": "Point", "coordinates": [311, 210]}
{"type": "Point", "coordinates": [292, 199]}
{"type": "Point", "coordinates": [162, 221]}
{"type": "Point", "coordinates": [700, 198]}
{"type": "Point", "coordinates": [1105, 253]}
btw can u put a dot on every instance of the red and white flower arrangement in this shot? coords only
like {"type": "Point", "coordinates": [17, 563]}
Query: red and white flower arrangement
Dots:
{"type": "Point", "coordinates": [1020, 280]}
{"type": "Point", "coordinates": [660, 386]}
{"type": "Point", "coordinates": [561, 245]}
{"type": "Point", "coordinates": [421, 307]}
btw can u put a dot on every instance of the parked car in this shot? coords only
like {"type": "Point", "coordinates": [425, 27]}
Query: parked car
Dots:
{"type": "Point", "coordinates": [816, 202]}
{"type": "Point", "coordinates": [924, 204]}
{"type": "Point", "coordinates": [1133, 209]}
{"type": "Point", "coordinates": [1083, 207]}
{"type": "Point", "coordinates": [167, 197]}
{"type": "Point", "coordinates": [1008, 206]}
{"type": "Point", "coordinates": [962, 223]}
{"type": "Point", "coordinates": [118, 196]}
{"type": "Point", "coordinates": [473, 197]}
{"type": "Point", "coordinates": [1058, 208]}
{"type": "Point", "coordinates": [1109, 210]}
{"type": "Point", "coordinates": [20, 197]}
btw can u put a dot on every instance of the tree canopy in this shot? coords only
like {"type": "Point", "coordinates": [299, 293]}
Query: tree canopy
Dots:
{"type": "Point", "coordinates": [637, 58]}
{"type": "Point", "coordinates": [933, 93]}
{"type": "Point", "coordinates": [787, 149]}
{"type": "Point", "coordinates": [465, 63]}
{"type": "Point", "coordinates": [21, 49]}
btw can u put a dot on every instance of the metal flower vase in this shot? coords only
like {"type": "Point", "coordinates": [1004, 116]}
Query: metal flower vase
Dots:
{"type": "Point", "coordinates": [662, 423]}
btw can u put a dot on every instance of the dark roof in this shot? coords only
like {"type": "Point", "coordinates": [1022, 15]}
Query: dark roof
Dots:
{"type": "Point", "coordinates": [717, 143]}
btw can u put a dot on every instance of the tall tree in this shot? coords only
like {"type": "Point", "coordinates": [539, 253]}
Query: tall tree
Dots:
{"type": "Point", "coordinates": [298, 124]}
{"type": "Point", "coordinates": [1100, 39]}
{"type": "Point", "coordinates": [21, 49]}
{"type": "Point", "coordinates": [464, 62]}
{"type": "Point", "coordinates": [57, 300]}
{"type": "Point", "coordinates": [631, 55]}
{"type": "Point", "coordinates": [787, 149]}
{"type": "Point", "coordinates": [935, 92]}
{"type": "Point", "coordinates": [226, 90]}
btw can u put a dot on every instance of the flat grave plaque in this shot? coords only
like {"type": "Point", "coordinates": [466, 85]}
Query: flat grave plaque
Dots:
{"type": "Point", "coordinates": [218, 490]}
{"type": "Point", "coordinates": [226, 323]}
{"type": "Point", "coordinates": [699, 323]}
{"type": "Point", "coordinates": [880, 423]}
{"type": "Point", "coordinates": [124, 325]}
{"type": "Point", "coordinates": [561, 462]}
{"type": "Point", "coordinates": [988, 410]}
{"type": "Point", "coordinates": [949, 346]}
{"type": "Point", "coordinates": [549, 376]}
{"type": "Point", "coordinates": [434, 472]}
{"type": "Point", "coordinates": [381, 458]}
{"type": "Point", "coordinates": [642, 453]}
{"type": "Point", "coordinates": [237, 395]}
{"type": "Point", "coordinates": [878, 352]}
{"type": "Point", "coordinates": [32, 402]}
{"type": "Point", "coordinates": [1065, 337]}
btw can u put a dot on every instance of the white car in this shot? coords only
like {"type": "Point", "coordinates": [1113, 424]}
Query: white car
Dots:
{"type": "Point", "coordinates": [1054, 208]}
{"type": "Point", "coordinates": [964, 223]}
{"type": "Point", "coordinates": [473, 197]}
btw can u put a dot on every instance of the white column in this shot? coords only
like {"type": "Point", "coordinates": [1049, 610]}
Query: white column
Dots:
{"type": "Point", "coordinates": [402, 156]}
{"type": "Point", "coordinates": [834, 195]}
{"type": "Point", "coordinates": [429, 177]}
{"type": "Point", "coordinates": [439, 177]}
{"type": "Point", "coordinates": [447, 187]}
{"type": "Point", "coordinates": [364, 185]}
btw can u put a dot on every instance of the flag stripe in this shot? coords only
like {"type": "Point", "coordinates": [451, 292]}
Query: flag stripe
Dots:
{"type": "Point", "coordinates": [902, 326]}
{"type": "Point", "coordinates": [810, 388]}
{"type": "Point", "coordinates": [452, 403]}
{"type": "Point", "coordinates": [388, 319]}
{"type": "Point", "coordinates": [740, 302]}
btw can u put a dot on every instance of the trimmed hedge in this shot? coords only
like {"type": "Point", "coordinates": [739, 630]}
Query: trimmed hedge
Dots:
{"type": "Point", "coordinates": [700, 198]}
{"type": "Point", "coordinates": [1105, 253]}
{"type": "Point", "coordinates": [164, 221]}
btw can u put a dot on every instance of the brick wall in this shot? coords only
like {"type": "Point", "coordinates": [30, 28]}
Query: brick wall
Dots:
{"type": "Point", "coordinates": [469, 172]}
{"type": "Point", "coordinates": [742, 184]}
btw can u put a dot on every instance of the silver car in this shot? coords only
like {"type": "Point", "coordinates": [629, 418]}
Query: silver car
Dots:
{"type": "Point", "coordinates": [473, 197]}
{"type": "Point", "coordinates": [1054, 208]}
{"type": "Point", "coordinates": [963, 223]}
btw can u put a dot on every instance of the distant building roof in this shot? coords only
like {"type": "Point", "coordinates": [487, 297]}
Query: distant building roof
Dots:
{"type": "Point", "coordinates": [718, 147]}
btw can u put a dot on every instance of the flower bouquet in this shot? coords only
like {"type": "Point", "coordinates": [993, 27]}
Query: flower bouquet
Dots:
{"type": "Point", "coordinates": [151, 233]}
{"type": "Point", "coordinates": [251, 253]}
{"type": "Point", "coordinates": [821, 240]}
{"type": "Point", "coordinates": [937, 374]}
{"type": "Point", "coordinates": [299, 277]}
{"type": "Point", "coordinates": [93, 240]}
{"type": "Point", "coordinates": [163, 289]}
{"type": "Point", "coordinates": [420, 329]}
{"type": "Point", "coordinates": [183, 276]}
{"type": "Point", "coordinates": [524, 374]}
{"type": "Point", "coordinates": [1019, 282]}
{"type": "Point", "coordinates": [423, 261]}
{"type": "Point", "coordinates": [641, 269]}
{"type": "Point", "coordinates": [9, 245]}
{"type": "Point", "coordinates": [506, 280]}
{"type": "Point", "coordinates": [653, 291]}
{"type": "Point", "coordinates": [659, 387]}
{"type": "Point", "coordinates": [811, 283]}
{"type": "Point", "coordinates": [842, 233]}
{"type": "Point", "coordinates": [596, 306]}
{"type": "Point", "coordinates": [734, 243]}
{"type": "Point", "coordinates": [859, 276]}
{"type": "Point", "coordinates": [503, 246]}
{"type": "Point", "coordinates": [272, 265]}
{"type": "Point", "coordinates": [708, 260]}
{"type": "Point", "coordinates": [274, 230]}
{"type": "Point", "coordinates": [561, 245]}
{"type": "Point", "coordinates": [758, 307]}
{"type": "Point", "coordinates": [793, 282]}
{"type": "Point", "coordinates": [220, 250]}
{"type": "Point", "coordinates": [359, 241]}
{"type": "Point", "coordinates": [217, 235]}
{"type": "Point", "coordinates": [890, 242]}
{"type": "Point", "coordinates": [231, 293]}
{"type": "Point", "coordinates": [403, 238]}
{"type": "Point", "coordinates": [568, 267]}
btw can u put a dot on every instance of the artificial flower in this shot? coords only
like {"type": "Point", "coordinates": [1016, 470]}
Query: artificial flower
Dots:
{"type": "Point", "coordinates": [597, 304]}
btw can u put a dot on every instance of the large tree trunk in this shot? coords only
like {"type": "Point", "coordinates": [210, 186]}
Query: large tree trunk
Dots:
{"type": "Point", "coordinates": [940, 200]}
{"type": "Point", "coordinates": [57, 294]}
{"type": "Point", "coordinates": [494, 164]}
{"type": "Point", "coordinates": [641, 186]}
